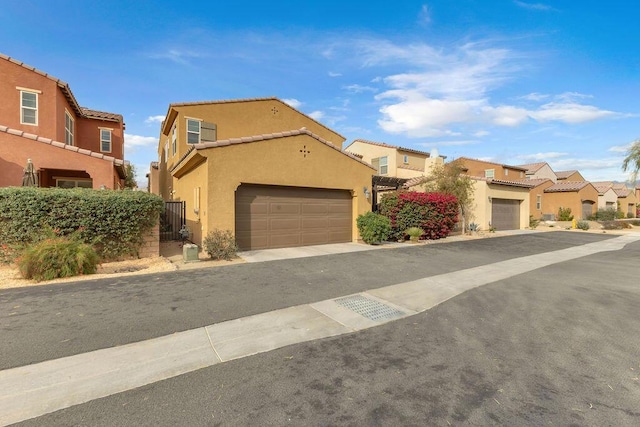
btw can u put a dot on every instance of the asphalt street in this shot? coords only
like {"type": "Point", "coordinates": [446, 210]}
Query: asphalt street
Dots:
{"type": "Point", "coordinates": [556, 346]}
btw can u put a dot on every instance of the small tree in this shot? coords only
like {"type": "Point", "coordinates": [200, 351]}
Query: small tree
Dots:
{"type": "Point", "coordinates": [631, 163]}
{"type": "Point", "coordinates": [130, 179]}
{"type": "Point", "coordinates": [450, 179]}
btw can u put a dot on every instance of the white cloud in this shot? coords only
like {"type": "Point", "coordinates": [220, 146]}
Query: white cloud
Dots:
{"type": "Point", "coordinates": [481, 133]}
{"type": "Point", "coordinates": [316, 115]}
{"type": "Point", "coordinates": [292, 102]}
{"type": "Point", "coordinates": [620, 148]}
{"type": "Point", "coordinates": [154, 119]}
{"type": "Point", "coordinates": [533, 6]}
{"type": "Point", "coordinates": [571, 96]}
{"type": "Point", "coordinates": [570, 113]}
{"type": "Point", "coordinates": [176, 55]}
{"type": "Point", "coordinates": [356, 88]}
{"type": "Point", "coordinates": [425, 15]}
{"type": "Point", "coordinates": [332, 74]}
{"type": "Point", "coordinates": [587, 164]}
{"type": "Point", "coordinates": [507, 115]}
{"type": "Point", "coordinates": [140, 141]}
{"type": "Point", "coordinates": [542, 156]}
{"type": "Point", "coordinates": [534, 96]}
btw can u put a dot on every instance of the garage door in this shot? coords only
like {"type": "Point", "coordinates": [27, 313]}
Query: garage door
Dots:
{"type": "Point", "coordinates": [587, 209]}
{"type": "Point", "coordinates": [281, 217]}
{"type": "Point", "coordinates": [505, 214]}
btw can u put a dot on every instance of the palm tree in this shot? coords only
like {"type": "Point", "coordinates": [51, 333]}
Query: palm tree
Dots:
{"type": "Point", "coordinates": [632, 161]}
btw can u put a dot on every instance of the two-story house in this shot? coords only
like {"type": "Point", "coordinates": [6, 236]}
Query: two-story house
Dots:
{"type": "Point", "coordinates": [41, 120]}
{"type": "Point", "coordinates": [272, 175]}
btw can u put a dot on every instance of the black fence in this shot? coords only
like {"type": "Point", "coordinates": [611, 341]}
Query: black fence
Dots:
{"type": "Point", "coordinates": [172, 220]}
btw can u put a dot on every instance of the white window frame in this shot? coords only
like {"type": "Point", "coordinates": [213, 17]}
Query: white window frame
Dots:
{"type": "Point", "coordinates": [384, 163]}
{"type": "Point", "coordinates": [69, 127]}
{"type": "Point", "coordinates": [539, 202]}
{"type": "Point", "coordinates": [506, 172]}
{"type": "Point", "coordinates": [75, 180]}
{"type": "Point", "coordinates": [174, 140]}
{"type": "Point", "coordinates": [489, 173]}
{"type": "Point", "coordinates": [198, 133]}
{"type": "Point", "coordinates": [23, 107]}
{"type": "Point", "coordinates": [405, 159]}
{"type": "Point", "coordinates": [102, 140]}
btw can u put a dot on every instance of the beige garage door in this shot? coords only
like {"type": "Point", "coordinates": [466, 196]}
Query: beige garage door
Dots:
{"type": "Point", "coordinates": [281, 217]}
{"type": "Point", "coordinates": [505, 214]}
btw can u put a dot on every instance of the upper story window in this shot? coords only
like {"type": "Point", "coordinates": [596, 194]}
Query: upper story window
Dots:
{"type": "Point", "coordinates": [506, 172]}
{"type": "Point", "coordinates": [521, 174]}
{"type": "Point", "coordinates": [489, 173]}
{"type": "Point", "coordinates": [538, 202]}
{"type": "Point", "coordinates": [193, 131]}
{"type": "Point", "coordinates": [68, 128]}
{"type": "Point", "coordinates": [29, 107]}
{"type": "Point", "coordinates": [105, 140]}
{"type": "Point", "coordinates": [405, 159]}
{"type": "Point", "coordinates": [174, 141]}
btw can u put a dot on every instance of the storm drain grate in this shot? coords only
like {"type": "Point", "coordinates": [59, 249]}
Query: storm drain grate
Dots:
{"type": "Point", "coordinates": [371, 309]}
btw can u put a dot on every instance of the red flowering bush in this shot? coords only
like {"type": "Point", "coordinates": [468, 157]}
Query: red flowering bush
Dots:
{"type": "Point", "coordinates": [435, 213]}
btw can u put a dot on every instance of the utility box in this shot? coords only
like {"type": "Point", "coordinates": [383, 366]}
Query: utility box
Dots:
{"type": "Point", "coordinates": [190, 253]}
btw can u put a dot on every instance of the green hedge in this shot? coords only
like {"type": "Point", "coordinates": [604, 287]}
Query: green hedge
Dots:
{"type": "Point", "coordinates": [114, 222]}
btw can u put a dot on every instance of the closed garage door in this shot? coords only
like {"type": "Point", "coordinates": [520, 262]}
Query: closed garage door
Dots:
{"type": "Point", "coordinates": [587, 209]}
{"type": "Point", "coordinates": [281, 217]}
{"type": "Point", "coordinates": [505, 214]}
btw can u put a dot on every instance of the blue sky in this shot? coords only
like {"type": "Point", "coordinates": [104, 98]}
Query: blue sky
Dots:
{"type": "Point", "coordinates": [510, 81]}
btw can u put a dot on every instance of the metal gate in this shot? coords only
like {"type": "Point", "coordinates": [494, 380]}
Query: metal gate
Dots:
{"type": "Point", "coordinates": [172, 220]}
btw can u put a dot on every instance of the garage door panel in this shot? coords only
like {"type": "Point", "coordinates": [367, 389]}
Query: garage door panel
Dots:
{"type": "Point", "coordinates": [505, 214]}
{"type": "Point", "coordinates": [291, 216]}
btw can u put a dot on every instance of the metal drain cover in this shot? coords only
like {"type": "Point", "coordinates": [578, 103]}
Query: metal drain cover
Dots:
{"type": "Point", "coordinates": [369, 308]}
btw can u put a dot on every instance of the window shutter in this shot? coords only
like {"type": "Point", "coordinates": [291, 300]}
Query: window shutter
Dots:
{"type": "Point", "coordinates": [209, 132]}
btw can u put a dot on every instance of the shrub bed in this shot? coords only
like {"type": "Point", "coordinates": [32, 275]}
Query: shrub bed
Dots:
{"type": "Point", "coordinates": [435, 213]}
{"type": "Point", "coordinates": [57, 257]}
{"type": "Point", "coordinates": [220, 244]}
{"type": "Point", "coordinates": [113, 222]}
{"type": "Point", "coordinates": [373, 228]}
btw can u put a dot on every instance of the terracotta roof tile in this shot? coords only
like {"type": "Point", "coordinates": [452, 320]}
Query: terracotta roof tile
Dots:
{"type": "Point", "coordinates": [622, 192]}
{"type": "Point", "coordinates": [565, 174]}
{"type": "Point", "coordinates": [411, 168]}
{"type": "Point", "coordinates": [533, 167]}
{"type": "Point", "coordinates": [397, 147]}
{"type": "Point", "coordinates": [491, 163]}
{"type": "Point", "coordinates": [63, 146]}
{"type": "Point", "coordinates": [235, 101]}
{"type": "Point", "coordinates": [539, 181]}
{"type": "Point", "coordinates": [523, 184]}
{"type": "Point", "coordinates": [567, 186]}
{"type": "Point", "coordinates": [103, 115]}
{"type": "Point", "coordinates": [265, 137]}
{"type": "Point", "coordinates": [412, 182]}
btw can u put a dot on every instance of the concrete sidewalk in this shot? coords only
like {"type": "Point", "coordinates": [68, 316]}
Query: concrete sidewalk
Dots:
{"type": "Point", "coordinates": [33, 390]}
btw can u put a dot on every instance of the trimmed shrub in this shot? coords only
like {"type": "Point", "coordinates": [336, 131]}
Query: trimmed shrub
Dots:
{"type": "Point", "coordinates": [614, 225]}
{"type": "Point", "coordinates": [605, 214]}
{"type": "Point", "coordinates": [630, 215]}
{"type": "Point", "coordinates": [564, 214]}
{"type": "Point", "coordinates": [414, 233]}
{"type": "Point", "coordinates": [435, 213]}
{"type": "Point", "coordinates": [533, 223]}
{"type": "Point", "coordinates": [114, 222]}
{"type": "Point", "coordinates": [582, 225]}
{"type": "Point", "coordinates": [57, 257]}
{"type": "Point", "coordinates": [220, 244]}
{"type": "Point", "coordinates": [373, 228]}
{"type": "Point", "coordinates": [620, 215]}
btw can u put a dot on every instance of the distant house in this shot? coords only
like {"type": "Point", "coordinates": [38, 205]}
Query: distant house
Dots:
{"type": "Point", "coordinates": [501, 194]}
{"type": "Point", "coordinates": [572, 175]}
{"type": "Point", "coordinates": [607, 197]}
{"type": "Point", "coordinates": [270, 174]}
{"type": "Point", "coordinates": [393, 160]}
{"type": "Point", "coordinates": [626, 199]}
{"type": "Point", "coordinates": [70, 146]}
{"type": "Point", "coordinates": [580, 196]}
{"type": "Point", "coordinates": [540, 170]}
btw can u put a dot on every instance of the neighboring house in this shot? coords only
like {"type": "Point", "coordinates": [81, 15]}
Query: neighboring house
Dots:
{"type": "Point", "coordinates": [626, 198]}
{"type": "Point", "coordinates": [537, 198]}
{"type": "Point", "coordinates": [572, 175]}
{"type": "Point", "coordinates": [498, 202]}
{"type": "Point", "coordinates": [580, 196]}
{"type": "Point", "coordinates": [491, 170]}
{"type": "Point", "coordinates": [607, 196]}
{"type": "Point", "coordinates": [394, 161]}
{"type": "Point", "coordinates": [540, 170]}
{"type": "Point", "coordinates": [70, 146]}
{"type": "Point", "coordinates": [272, 175]}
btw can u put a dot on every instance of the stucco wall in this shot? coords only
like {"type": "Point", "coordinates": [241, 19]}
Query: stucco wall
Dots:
{"type": "Point", "coordinates": [15, 150]}
{"type": "Point", "coordinates": [609, 196]}
{"type": "Point", "coordinates": [566, 199]}
{"type": "Point", "coordinates": [533, 198]}
{"type": "Point", "coordinates": [271, 162]}
{"type": "Point", "coordinates": [482, 206]}
{"type": "Point", "coordinates": [545, 172]}
{"type": "Point", "coordinates": [478, 168]}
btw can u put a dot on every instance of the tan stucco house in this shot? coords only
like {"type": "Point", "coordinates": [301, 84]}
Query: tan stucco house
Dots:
{"type": "Point", "coordinates": [572, 175]}
{"type": "Point", "coordinates": [540, 170]}
{"type": "Point", "coordinates": [491, 170]}
{"type": "Point", "coordinates": [580, 196]}
{"type": "Point", "coordinates": [272, 175]}
{"type": "Point", "coordinates": [393, 160]}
